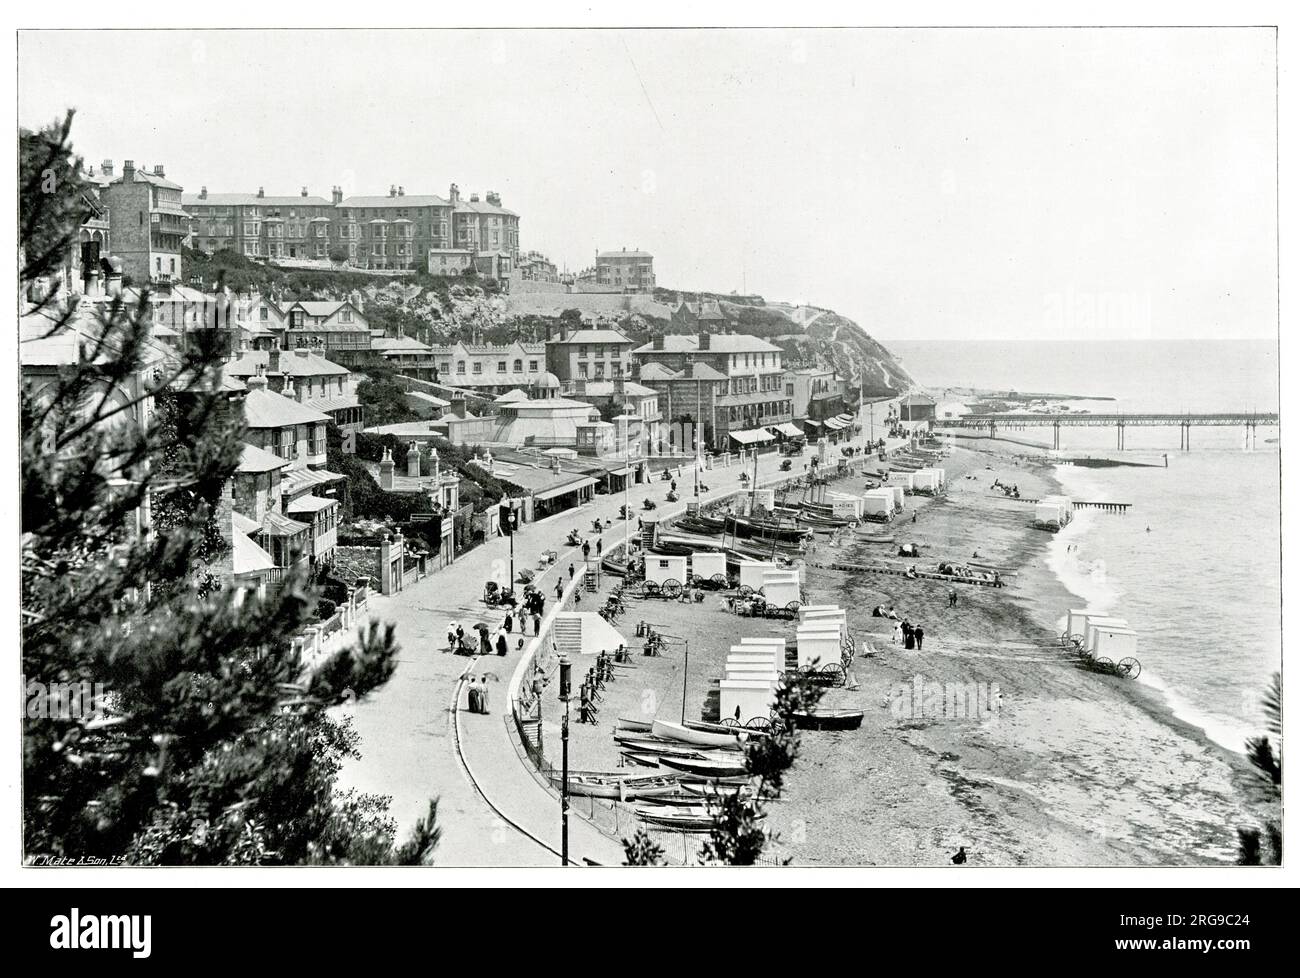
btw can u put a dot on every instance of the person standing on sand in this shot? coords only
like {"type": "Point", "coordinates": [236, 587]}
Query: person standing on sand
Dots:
{"type": "Point", "coordinates": [952, 598]}
{"type": "Point", "coordinates": [897, 636]}
{"type": "Point", "coordinates": [909, 638]}
{"type": "Point", "coordinates": [919, 633]}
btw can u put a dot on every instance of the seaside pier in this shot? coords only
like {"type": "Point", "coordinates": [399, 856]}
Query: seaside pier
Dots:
{"type": "Point", "coordinates": [1248, 421]}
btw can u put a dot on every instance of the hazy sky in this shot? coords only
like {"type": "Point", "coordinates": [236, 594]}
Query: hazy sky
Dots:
{"type": "Point", "coordinates": [1062, 184]}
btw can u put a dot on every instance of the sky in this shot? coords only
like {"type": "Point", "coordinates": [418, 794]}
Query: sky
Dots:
{"type": "Point", "coordinates": [929, 184]}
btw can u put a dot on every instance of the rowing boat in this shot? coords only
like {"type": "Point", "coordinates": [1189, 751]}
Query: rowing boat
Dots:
{"type": "Point", "coordinates": [689, 735]}
{"type": "Point", "coordinates": [632, 726]}
{"type": "Point", "coordinates": [681, 822]}
{"type": "Point", "coordinates": [828, 719]}
{"type": "Point", "coordinates": [720, 728]}
{"type": "Point", "coordinates": [645, 745]}
{"type": "Point", "coordinates": [709, 767]}
{"type": "Point", "coordinates": [618, 785]}
{"type": "Point", "coordinates": [639, 759]}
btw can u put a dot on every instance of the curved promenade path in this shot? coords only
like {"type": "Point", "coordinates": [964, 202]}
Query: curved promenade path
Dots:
{"type": "Point", "coordinates": [418, 740]}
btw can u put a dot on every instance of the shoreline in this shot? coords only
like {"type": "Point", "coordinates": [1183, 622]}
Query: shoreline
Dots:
{"type": "Point", "coordinates": [1081, 773]}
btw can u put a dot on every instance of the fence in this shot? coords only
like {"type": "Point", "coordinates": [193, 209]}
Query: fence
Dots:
{"type": "Point", "coordinates": [322, 639]}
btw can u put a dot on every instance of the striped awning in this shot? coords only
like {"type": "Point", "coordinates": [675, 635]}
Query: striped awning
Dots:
{"type": "Point", "coordinates": [786, 428]}
{"type": "Point", "coordinates": [846, 418]}
{"type": "Point", "coordinates": [752, 436]}
{"type": "Point", "coordinates": [835, 424]}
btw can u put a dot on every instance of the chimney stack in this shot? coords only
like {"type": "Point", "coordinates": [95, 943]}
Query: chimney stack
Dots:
{"type": "Point", "coordinates": [413, 460]}
{"type": "Point", "coordinates": [473, 198]}
{"type": "Point", "coordinates": [106, 168]}
{"type": "Point", "coordinates": [158, 170]}
{"type": "Point", "coordinates": [304, 191]}
{"type": "Point", "coordinates": [657, 343]}
{"type": "Point", "coordinates": [288, 390]}
{"type": "Point", "coordinates": [338, 195]}
{"type": "Point", "coordinates": [273, 358]}
{"type": "Point", "coordinates": [386, 470]}
{"type": "Point", "coordinates": [112, 275]}
{"type": "Point", "coordinates": [454, 194]}
{"type": "Point", "coordinates": [261, 191]}
{"type": "Point", "coordinates": [392, 190]}
{"type": "Point", "coordinates": [704, 340]}
{"type": "Point", "coordinates": [257, 382]}
{"type": "Point", "coordinates": [203, 192]}
{"type": "Point", "coordinates": [128, 171]}
{"type": "Point", "coordinates": [401, 191]}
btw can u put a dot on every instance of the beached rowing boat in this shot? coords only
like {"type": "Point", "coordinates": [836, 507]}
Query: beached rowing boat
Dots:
{"type": "Point", "coordinates": [828, 719]}
{"type": "Point", "coordinates": [687, 820]}
{"type": "Point", "coordinates": [720, 728]}
{"type": "Point", "coordinates": [639, 759]}
{"type": "Point", "coordinates": [648, 745]}
{"type": "Point", "coordinates": [620, 786]}
{"type": "Point", "coordinates": [632, 726]}
{"type": "Point", "coordinates": [708, 767]}
{"type": "Point", "coordinates": [668, 730]}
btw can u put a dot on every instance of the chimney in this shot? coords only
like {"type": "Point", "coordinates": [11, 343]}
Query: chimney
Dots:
{"type": "Point", "coordinates": [657, 343]}
{"type": "Point", "coordinates": [705, 340]}
{"type": "Point", "coordinates": [112, 275]}
{"type": "Point", "coordinates": [261, 191]}
{"type": "Point", "coordinates": [401, 191]}
{"type": "Point", "coordinates": [304, 191]}
{"type": "Point", "coordinates": [337, 194]}
{"type": "Point", "coordinates": [203, 192]}
{"type": "Point", "coordinates": [386, 470]}
{"type": "Point", "coordinates": [392, 190]}
{"type": "Point", "coordinates": [288, 389]}
{"type": "Point", "coordinates": [257, 382]}
{"type": "Point", "coordinates": [106, 168]}
{"type": "Point", "coordinates": [158, 170]}
{"type": "Point", "coordinates": [473, 198]}
{"type": "Point", "coordinates": [90, 283]}
{"type": "Point", "coordinates": [128, 171]}
{"type": "Point", "coordinates": [619, 386]}
{"type": "Point", "coordinates": [273, 358]}
{"type": "Point", "coordinates": [413, 460]}
{"type": "Point", "coordinates": [302, 351]}
{"type": "Point", "coordinates": [454, 194]}
{"type": "Point", "coordinates": [580, 386]}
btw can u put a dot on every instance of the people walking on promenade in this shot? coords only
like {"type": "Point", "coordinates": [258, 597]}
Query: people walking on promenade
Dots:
{"type": "Point", "coordinates": [483, 694]}
{"type": "Point", "coordinates": [600, 548]}
{"type": "Point", "coordinates": [559, 586]}
{"type": "Point", "coordinates": [570, 571]}
{"type": "Point", "coordinates": [586, 549]}
{"type": "Point", "coordinates": [475, 700]}
{"type": "Point", "coordinates": [503, 645]}
{"type": "Point", "coordinates": [460, 638]}
{"type": "Point", "coordinates": [510, 623]}
{"type": "Point", "coordinates": [919, 634]}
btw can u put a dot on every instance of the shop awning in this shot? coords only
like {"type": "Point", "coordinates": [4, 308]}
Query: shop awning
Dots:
{"type": "Point", "coordinates": [786, 428]}
{"type": "Point", "coordinates": [561, 490]}
{"type": "Point", "coordinates": [309, 504]}
{"type": "Point", "coordinates": [811, 423]}
{"type": "Point", "coordinates": [846, 418]}
{"type": "Point", "coordinates": [834, 424]}
{"type": "Point", "coordinates": [752, 436]}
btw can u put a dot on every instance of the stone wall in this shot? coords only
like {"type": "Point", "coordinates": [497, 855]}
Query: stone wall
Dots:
{"type": "Point", "coordinates": [353, 562]}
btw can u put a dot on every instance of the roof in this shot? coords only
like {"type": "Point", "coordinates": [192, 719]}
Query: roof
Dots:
{"type": "Point", "coordinates": [428, 399]}
{"type": "Point", "coordinates": [623, 254]}
{"type": "Point", "coordinates": [699, 371]}
{"type": "Point", "coordinates": [296, 479]}
{"type": "Point", "coordinates": [328, 404]}
{"type": "Point", "coordinates": [596, 336]}
{"type": "Point", "coordinates": [413, 200]}
{"type": "Point", "coordinates": [512, 395]}
{"type": "Point", "coordinates": [399, 344]}
{"type": "Point", "coordinates": [752, 436]}
{"type": "Point", "coordinates": [275, 525]}
{"type": "Point", "coordinates": [249, 558]}
{"type": "Point", "coordinates": [242, 523]}
{"type": "Point", "coordinates": [236, 200]}
{"type": "Point", "coordinates": [482, 207]}
{"type": "Point", "coordinates": [916, 399]}
{"type": "Point", "coordinates": [309, 504]}
{"type": "Point", "coordinates": [144, 176]}
{"type": "Point", "coordinates": [254, 459]}
{"type": "Point", "coordinates": [307, 363]}
{"type": "Point", "coordinates": [266, 409]}
{"type": "Point", "coordinates": [326, 307]}
{"type": "Point", "coordinates": [406, 429]}
{"type": "Point", "coordinates": [718, 343]}
{"type": "Point", "coordinates": [609, 388]}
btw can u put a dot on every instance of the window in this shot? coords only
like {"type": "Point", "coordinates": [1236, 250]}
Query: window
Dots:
{"type": "Point", "coordinates": [460, 367]}
{"type": "Point", "coordinates": [532, 366]}
{"type": "Point", "coordinates": [478, 368]}
{"type": "Point", "coordinates": [582, 352]}
{"type": "Point", "coordinates": [264, 314]}
{"type": "Point", "coordinates": [501, 366]}
{"type": "Point", "coordinates": [345, 316]}
{"type": "Point", "coordinates": [582, 370]}
{"type": "Point", "coordinates": [519, 366]}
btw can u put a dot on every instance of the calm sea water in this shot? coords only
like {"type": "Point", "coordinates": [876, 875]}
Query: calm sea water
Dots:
{"type": "Point", "coordinates": [1203, 586]}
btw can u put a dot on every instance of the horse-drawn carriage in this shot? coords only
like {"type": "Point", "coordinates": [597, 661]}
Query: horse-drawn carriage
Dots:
{"type": "Point", "coordinates": [494, 594]}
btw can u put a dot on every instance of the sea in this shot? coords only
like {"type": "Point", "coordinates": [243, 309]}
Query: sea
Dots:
{"type": "Point", "coordinates": [1195, 565]}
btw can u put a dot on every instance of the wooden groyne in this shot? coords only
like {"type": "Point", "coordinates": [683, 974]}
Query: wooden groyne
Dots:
{"type": "Point", "coordinates": [1106, 507]}
{"type": "Point", "coordinates": [919, 575]}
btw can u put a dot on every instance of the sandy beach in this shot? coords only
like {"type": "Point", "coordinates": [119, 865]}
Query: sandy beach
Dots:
{"type": "Point", "coordinates": [1067, 767]}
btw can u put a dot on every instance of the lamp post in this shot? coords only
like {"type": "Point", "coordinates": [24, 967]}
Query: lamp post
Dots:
{"type": "Point", "coordinates": [565, 674]}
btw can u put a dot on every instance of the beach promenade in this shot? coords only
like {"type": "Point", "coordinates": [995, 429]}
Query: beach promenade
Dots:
{"type": "Point", "coordinates": [418, 741]}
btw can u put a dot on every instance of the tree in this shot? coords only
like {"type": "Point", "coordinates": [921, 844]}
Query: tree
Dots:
{"type": "Point", "coordinates": [1251, 848]}
{"type": "Point", "coordinates": [205, 739]}
{"type": "Point", "coordinates": [338, 255]}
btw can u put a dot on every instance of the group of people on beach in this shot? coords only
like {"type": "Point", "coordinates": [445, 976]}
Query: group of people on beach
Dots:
{"type": "Point", "coordinates": [905, 633]}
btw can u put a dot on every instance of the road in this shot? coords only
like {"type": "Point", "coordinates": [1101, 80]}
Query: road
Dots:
{"type": "Point", "coordinates": [409, 729]}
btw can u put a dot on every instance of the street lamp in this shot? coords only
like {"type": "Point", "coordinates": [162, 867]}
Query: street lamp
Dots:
{"type": "Point", "coordinates": [565, 673]}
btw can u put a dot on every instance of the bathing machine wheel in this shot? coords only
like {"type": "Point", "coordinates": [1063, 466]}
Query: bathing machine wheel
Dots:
{"type": "Point", "coordinates": [1129, 668]}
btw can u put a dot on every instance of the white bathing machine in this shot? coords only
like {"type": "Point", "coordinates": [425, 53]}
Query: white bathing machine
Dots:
{"type": "Point", "coordinates": [845, 506]}
{"type": "Point", "coordinates": [665, 569]}
{"type": "Point", "coordinates": [899, 493]}
{"type": "Point", "coordinates": [1049, 516]}
{"type": "Point", "coordinates": [809, 609]}
{"type": "Point", "coordinates": [710, 567]}
{"type": "Point", "coordinates": [902, 479]}
{"type": "Point", "coordinates": [1096, 626]}
{"type": "Point", "coordinates": [877, 504]}
{"type": "Point", "coordinates": [927, 480]}
{"type": "Point", "coordinates": [781, 588]}
{"type": "Point", "coordinates": [751, 573]}
{"type": "Point", "coordinates": [1065, 505]}
{"type": "Point", "coordinates": [743, 700]}
{"type": "Point", "coordinates": [761, 500]}
{"type": "Point", "coordinates": [818, 647]}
